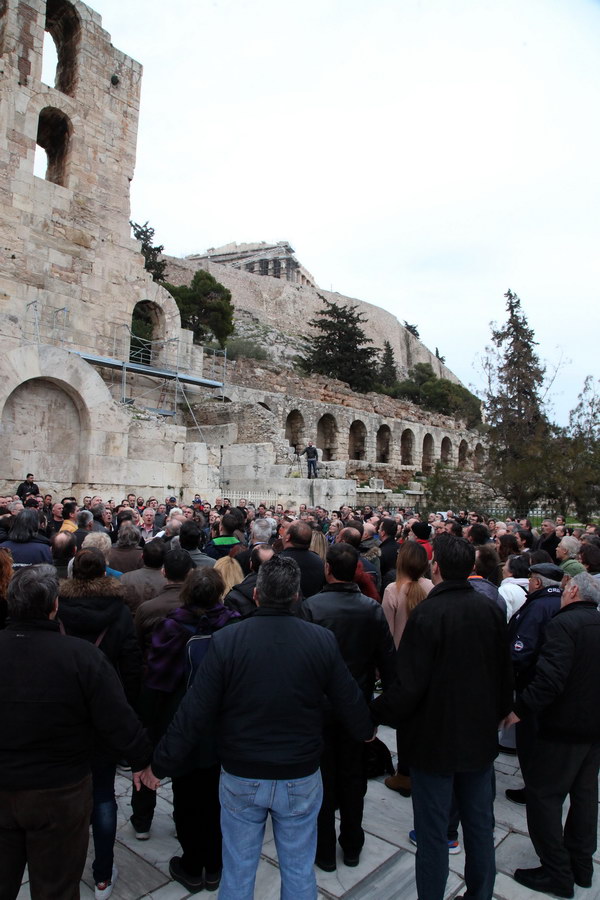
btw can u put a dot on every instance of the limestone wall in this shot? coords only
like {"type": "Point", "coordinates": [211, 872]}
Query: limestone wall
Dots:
{"type": "Point", "coordinates": [287, 308]}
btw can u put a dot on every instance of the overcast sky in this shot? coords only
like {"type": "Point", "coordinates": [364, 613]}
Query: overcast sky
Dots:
{"type": "Point", "coordinates": [423, 155]}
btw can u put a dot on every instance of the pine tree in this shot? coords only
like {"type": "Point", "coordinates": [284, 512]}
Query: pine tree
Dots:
{"type": "Point", "coordinates": [152, 264]}
{"type": "Point", "coordinates": [388, 373]}
{"type": "Point", "coordinates": [340, 349]}
{"type": "Point", "coordinates": [518, 428]}
{"type": "Point", "coordinates": [205, 307]}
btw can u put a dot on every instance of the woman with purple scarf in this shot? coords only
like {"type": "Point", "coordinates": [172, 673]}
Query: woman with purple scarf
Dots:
{"type": "Point", "coordinates": [196, 808]}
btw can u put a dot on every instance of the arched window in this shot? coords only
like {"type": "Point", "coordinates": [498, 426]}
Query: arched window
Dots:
{"type": "Point", "coordinates": [383, 444]}
{"type": "Point", "coordinates": [446, 454]}
{"type": "Point", "coordinates": [147, 332]}
{"type": "Point", "coordinates": [294, 430]}
{"type": "Point", "coordinates": [407, 446]}
{"type": "Point", "coordinates": [53, 136]}
{"type": "Point", "coordinates": [478, 457]}
{"type": "Point", "coordinates": [327, 437]}
{"type": "Point", "coordinates": [462, 454]}
{"type": "Point", "coordinates": [427, 461]}
{"type": "Point", "coordinates": [64, 27]}
{"type": "Point", "coordinates": [357, 439]}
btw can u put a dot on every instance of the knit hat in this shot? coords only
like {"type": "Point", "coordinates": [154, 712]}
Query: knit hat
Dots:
{"type": "Point", "coordinates": [422, 530]}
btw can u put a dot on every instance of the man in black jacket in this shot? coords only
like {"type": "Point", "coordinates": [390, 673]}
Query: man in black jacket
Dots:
{"type": "Point", "coordinates": [366, 644]}
{"type": "Point", "coordinates": [563, 698]}
{"type": "Point", "coordinates": [59, 696]}
{"type": "Point", "coordinates": [388, 529]}
{"type": "Point", "coordinates": [296, 546]}
{"type": "Point", "coordinates": [453, 685]}
{"type": "Point", "coordinates": [262, 684]}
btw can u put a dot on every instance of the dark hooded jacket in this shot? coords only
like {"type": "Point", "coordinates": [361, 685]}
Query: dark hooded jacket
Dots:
{"type": "Point", "coordinates": [87, 608]}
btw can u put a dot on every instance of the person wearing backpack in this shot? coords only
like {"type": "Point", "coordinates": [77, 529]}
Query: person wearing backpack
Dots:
{"type": "Point", "coordinates": [179, 644]}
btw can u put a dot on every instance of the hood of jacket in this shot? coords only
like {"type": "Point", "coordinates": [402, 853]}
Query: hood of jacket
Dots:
{"type": "Point", "coordinates": [88, 607]}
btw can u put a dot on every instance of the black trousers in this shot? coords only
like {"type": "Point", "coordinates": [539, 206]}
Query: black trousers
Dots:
{"type": "Point", "coordinates": [49, 831]}
{"type": "Point", "coordinates": [344, 774]}
{"type": "Point", "coordinates": [558, 769]}
{"type": "Point", "coordinates": [197, 814]}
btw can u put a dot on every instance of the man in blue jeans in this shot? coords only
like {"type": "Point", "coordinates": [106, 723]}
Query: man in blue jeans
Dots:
{"type": "Point", "coordinates": [262, 684]}
{"type": "Point", "coordinates": [453, 686]}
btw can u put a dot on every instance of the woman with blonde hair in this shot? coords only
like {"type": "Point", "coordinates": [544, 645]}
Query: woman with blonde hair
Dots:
{"type": "Point", "coordinates": [410, 587]}
{"type": "Point", "coordinates": [230, 571]}
{"type": "Point", "coordinates": [318, 544]}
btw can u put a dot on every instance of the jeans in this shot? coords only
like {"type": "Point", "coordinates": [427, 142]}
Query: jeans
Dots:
{"type": "Point", "coordinates": [312, 468]}
{"type": "Point", "coordinates": [294, 806]}
{"type": "Point", "coordinates": [104, 818]}
{"type": "Point", "coordinates": [47, 829]}
{"type": "Point", "coordinates": [432, 804]}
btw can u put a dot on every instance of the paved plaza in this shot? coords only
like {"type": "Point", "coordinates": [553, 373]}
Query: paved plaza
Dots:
{"type": "Point", "coordinates": [386, 869]}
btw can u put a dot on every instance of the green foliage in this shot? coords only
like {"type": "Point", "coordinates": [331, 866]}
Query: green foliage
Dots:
{"type": "Point", "coordinates": [339, 349]}
{"type": "Point", "coordinates": [573, 460]}
{"type": "Point", "coordinates": [519, 431]}
{"type": "Point", "coordinates": [246, 348]}
{"type": "Point", "coordinates": [205, 307]}
{"type": "Point", "coordinates": [388, 373]}
{"type": "Point", "coordinates": [412, 329]}
{"type": "Point", "coordinates": [442, 359]}
{"type": "Point", "coordinates": [425, 389]}
{"type": "Point", "coordinates": [445, 489]}
{"type": "Point", "coordinates": [152, 263]}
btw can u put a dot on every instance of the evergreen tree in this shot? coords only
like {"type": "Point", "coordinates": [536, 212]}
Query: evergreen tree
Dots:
{"type": "Point", "coordinates": [340, 349]}
{"type": "Point", "coordinates": [574, 457]}
{"type": "Point", "coordinates": [388, 373]}
{"type": "Point", "coordinates": [412, 329]}
{"type": "Point", "coordinates": [152, 264]}
{"type": "Point", "coordinates": [205, 307]}
{"type": "Point", "coordinates": [519, 432]}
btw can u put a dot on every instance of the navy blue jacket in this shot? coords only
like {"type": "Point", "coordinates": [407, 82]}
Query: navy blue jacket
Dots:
{"type": "Point", "coordinates": [526, 632]}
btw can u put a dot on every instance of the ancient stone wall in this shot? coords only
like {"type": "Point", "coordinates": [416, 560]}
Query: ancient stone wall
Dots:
{"type": "Point", "coordinates": [284, 307]}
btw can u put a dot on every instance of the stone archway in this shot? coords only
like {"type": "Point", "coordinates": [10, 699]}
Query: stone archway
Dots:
{"type": "Point", "coordinates": [357, 439]}
{"type": "Point", "coordinates": [327, 437]}
{"type": "Point", "coordinates": [478, 457]}
{"type": "Point", "coordinates": [407, 447]}
{"type": "Point", "coordinates": [446, 451]}
{"type": "Point", "coordinates": [45, 430]}
{"type": "Point", "coordinates": [294, 430]}
{"type": "Point", "coordinates": [463, 449]}
{"type": "Point", "coordinates": [71, 413]}
{"type": "Point", "coordinates": [383, 444]}
{"type": "Point", "coordinates": [428, 462]}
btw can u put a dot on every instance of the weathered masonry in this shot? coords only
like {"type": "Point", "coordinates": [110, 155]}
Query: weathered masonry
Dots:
{"type": "Point", "coordinates": [84, 402]}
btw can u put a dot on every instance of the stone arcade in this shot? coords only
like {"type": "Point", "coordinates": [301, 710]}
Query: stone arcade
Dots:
{"type": "Point", "coordinates": [83, 404]}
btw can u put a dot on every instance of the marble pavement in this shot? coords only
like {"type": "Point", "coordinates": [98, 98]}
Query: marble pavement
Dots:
{"type": "Point", "coordinates": [386, 869]}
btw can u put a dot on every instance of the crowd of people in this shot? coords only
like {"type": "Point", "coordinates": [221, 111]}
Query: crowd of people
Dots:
{"type": "Point", "coordinates": [248, 652]}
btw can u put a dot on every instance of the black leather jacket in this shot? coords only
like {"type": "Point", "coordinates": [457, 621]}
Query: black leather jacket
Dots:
{"type": "Point", "coordinates": [361, 629]}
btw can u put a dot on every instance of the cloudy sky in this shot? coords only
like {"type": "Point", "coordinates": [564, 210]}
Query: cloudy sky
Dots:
{"type": "Point", "coordinates": [424, 155]}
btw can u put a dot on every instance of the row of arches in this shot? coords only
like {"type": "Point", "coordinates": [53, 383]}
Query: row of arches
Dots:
{"type": "Point", "coordinates": [329, 441]}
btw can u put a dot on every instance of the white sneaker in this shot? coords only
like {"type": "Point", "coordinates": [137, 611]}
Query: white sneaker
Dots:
{"type": "Point", "coordinates": [104, 889]}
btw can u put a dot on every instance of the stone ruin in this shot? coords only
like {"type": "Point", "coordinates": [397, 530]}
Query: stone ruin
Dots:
{"type": "Point", "coordinates": [89, 407]}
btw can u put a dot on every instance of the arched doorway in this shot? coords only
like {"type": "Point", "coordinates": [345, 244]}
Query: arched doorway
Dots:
{"type": "Point", "coordinates": [427, 463]}
{"type": "Point", "coordinates": [294, 430]}
{"type": "Point", "coordinates": [327, 437]}
{"type": "Point", "coordinates": [64, 27]}
{"type": "Point", "coordinates": [383, 444]}
{"type": "Point", "coordinates": [45, 432]}
{"type": "Point", "coordinates": [407, 446]}
{"type": "Point", "coordinates": [463, 450]}
{"type": "Point", "coordinates": [357, 439]}
{"type": "Point", "coordinates": [147, 328]}
{"type": "Point", "coordinates": [446, 454]}
{"type": "Point", "coordinates": [478, 457]}
{"type": "Point", "coordinates": [53, 136]}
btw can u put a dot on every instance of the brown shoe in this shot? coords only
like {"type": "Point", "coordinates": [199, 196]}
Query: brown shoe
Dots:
{"type": "Point", "coordinates": [399, 783]}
